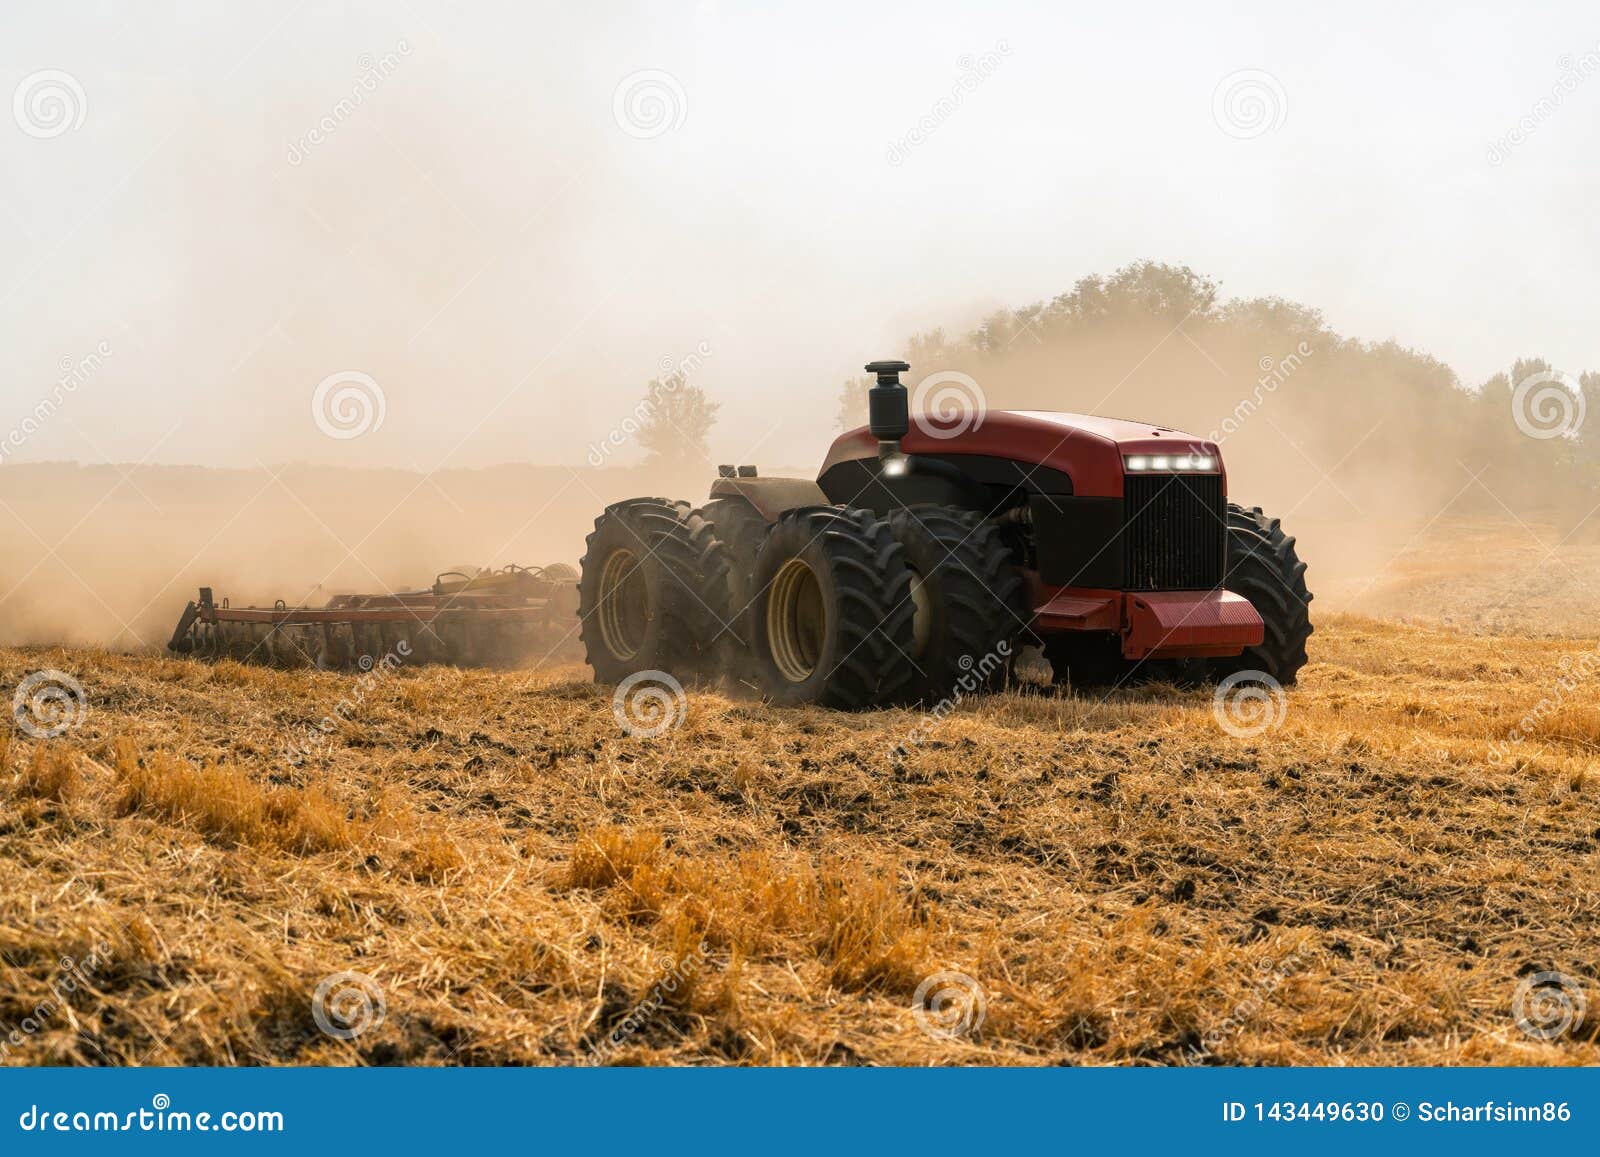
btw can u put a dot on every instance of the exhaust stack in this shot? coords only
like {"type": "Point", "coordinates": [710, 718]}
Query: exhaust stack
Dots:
{"type": "Point", "coordinates": [888, 410]}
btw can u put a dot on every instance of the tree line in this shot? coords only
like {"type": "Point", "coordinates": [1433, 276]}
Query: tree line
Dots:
{"type": "Point", "coordinates": [1292, 397]}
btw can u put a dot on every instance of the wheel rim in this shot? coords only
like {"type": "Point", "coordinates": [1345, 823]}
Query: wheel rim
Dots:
{"type": "Point", "coordinates": [922, 615]}
{"type": "Point", "coordinates": [624, 604]}
{"type": "Point", "coordinates": [797, 621]}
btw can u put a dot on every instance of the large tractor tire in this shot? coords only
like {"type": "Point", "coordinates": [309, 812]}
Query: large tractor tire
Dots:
{"type": "Point", "coordinates": [697, 554]}
{"type": "Point", "coordinates": [641, 597]}
{"type": "Point", "coordinates": [833, 617]}
{"type": "Point", "coordinates": [742, 529]}
{"type": "Point", "coordinates": [1264, 568]}
{"type": "Point", "coordinates": [967, 598]}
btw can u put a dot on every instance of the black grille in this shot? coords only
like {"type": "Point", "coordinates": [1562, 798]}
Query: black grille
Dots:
{"type": "Point", "coordinates": [1174, 535]}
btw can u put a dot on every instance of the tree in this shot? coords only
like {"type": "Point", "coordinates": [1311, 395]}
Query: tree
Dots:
{"type": "Point", "coordinates": [853, 403]}
{"type": "Point", "coordinates": [1150, 289]}
{"type": "Point", "coordinates": [1275, 315]}
{"type": "Point", "coordinates": [1589, 387]}
{"type": "Point", "coordinates": [674, 419]}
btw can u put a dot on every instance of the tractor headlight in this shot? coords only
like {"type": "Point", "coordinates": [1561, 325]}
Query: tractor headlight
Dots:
{"type": "Point", "coordinates": [896, 466]}
{"type": "Point", "coordinates": [1191, 463]}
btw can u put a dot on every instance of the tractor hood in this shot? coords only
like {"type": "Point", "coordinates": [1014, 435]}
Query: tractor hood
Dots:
{"type": "Point", "coordinates": [1088, 449]}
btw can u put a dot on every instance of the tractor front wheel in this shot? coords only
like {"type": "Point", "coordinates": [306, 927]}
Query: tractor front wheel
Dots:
{"type": "Point", "coordinates": [1264, 568]}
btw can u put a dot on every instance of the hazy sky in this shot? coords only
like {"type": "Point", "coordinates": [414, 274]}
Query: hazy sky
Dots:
{"type": "Point", "coordinates": [508, 247]}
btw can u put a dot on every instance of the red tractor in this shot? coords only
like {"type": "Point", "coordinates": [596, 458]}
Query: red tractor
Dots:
{"type": "Point", "coordinates": [922, 559]}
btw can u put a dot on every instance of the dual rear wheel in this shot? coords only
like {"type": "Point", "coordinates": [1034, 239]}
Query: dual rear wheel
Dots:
{"type": "Point", "coordinates": [855, 610]}
{"type": "Point", "coordinates": [832, 618]}
{"type": "Point", "coordinates": [827, 605]}
{"type": "Point", "coordinates": [642, 594]}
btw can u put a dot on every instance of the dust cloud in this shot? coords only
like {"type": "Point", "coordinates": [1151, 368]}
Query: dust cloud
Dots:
{"type": "Point", "coordinates": [120, 551]}
{"type": "Point", "coordinates": [1397, 512]}
{"type": "Point", "coordinates": [465, 218]}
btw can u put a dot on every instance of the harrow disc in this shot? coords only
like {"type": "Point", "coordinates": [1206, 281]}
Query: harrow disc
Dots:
{"type": "Point", "coordinates": [512, 617]}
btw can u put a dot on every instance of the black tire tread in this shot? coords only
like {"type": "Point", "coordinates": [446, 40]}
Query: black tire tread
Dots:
{"type": "Point", "coordinates": [742, 530]}
{"type": "Point", "coordinates": [1264, 567]}
{"type": "Point", "coordinates": [700, 567]}
{"type": "Point", "coordinates": [690, 557]}
{"type": "Point", "coordinates": [873, 614]}
{"type": "Point", "coordinates": [981, 591]}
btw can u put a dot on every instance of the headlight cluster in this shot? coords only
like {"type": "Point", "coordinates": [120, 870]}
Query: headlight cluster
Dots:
{"type": "Point", "coordinates": [1146, 463]}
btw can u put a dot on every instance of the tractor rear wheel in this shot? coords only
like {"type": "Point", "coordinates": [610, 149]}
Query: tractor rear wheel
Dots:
{"type": "Point", "coordinates": [697, 554]}
{"type": "Point", "coordinates": [640, 604]}
{"type": "Point", "coordinates": [742, 530]}
{"type": "Point", "coordinates": [833, 619]}
{"type": "Point", "coordinates": [1264, 568]}
{"type": "Point", "coordinates": [967, 597]}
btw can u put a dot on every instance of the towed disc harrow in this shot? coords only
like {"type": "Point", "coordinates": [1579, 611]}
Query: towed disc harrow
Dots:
{"type": "Point", "coordinates": [510, 617]}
